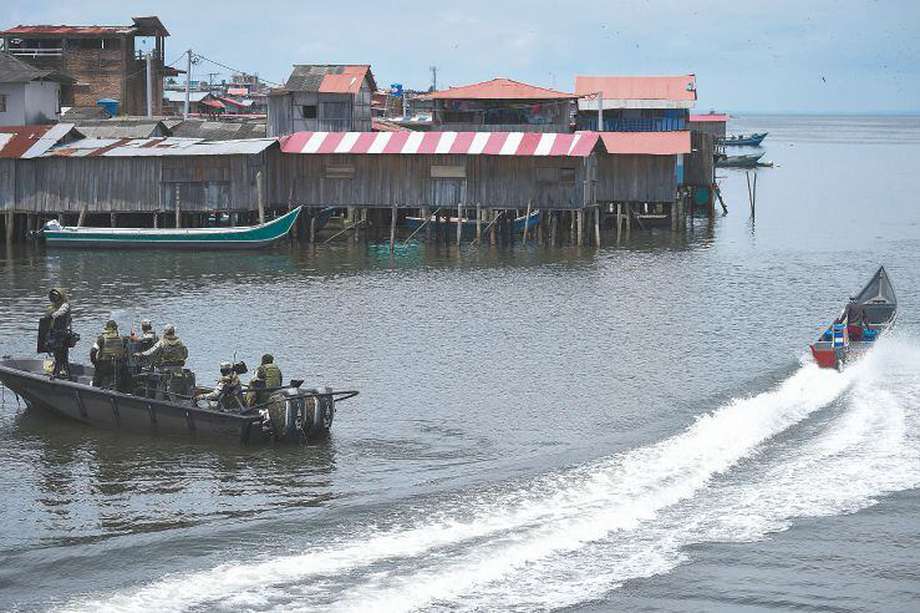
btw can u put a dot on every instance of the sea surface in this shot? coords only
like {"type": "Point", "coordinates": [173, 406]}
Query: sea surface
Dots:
{"type": "Point", "coordinates": [634, 428]}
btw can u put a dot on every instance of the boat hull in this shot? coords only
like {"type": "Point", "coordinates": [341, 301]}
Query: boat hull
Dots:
{"type": "Point", "coordinates": [753, 140]}
{"type": "Point", "coordinates": [113, 410]}
{"type": "Point", "coordinates": [254, 237]}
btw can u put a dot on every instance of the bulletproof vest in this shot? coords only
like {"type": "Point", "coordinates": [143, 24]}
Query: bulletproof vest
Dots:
{"type": "Point", "coordinates": [172, 353]}
{"type": "Point", "coordinates": [62, 322]}
{"type": "Point", "coordinates": [111, 346]}
{"type": "Point", "coordinates": [148, 340]}
{"type": "Point", "coordinates": [271, 374]}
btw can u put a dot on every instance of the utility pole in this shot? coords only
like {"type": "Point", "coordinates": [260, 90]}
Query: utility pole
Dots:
{"type": "Point", "coordinates": [188, 81]}
{"type": "Point", "coordinates": [149, 84]}
{"type": "Point", "coordinates": [434, 78]}
{"type": "Point", "coordinates": [211, 77]}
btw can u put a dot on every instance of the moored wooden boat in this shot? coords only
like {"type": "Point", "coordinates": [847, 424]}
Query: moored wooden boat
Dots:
{"type": "Point", "coordinates": [235, 237]}
{"type": "Point", "coordinates": [469, 225]}
{"type": "Point", "coordinates": [298, 413]}
{"type": "Point", "coordinates": [739, 161]}
{"type": "Point", "coordinates": [740, 140]}
{"type": "Point", "coordinates": [867, 315]}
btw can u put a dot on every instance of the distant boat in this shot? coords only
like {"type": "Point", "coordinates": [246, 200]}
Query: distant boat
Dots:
{"type": "Point", "coordinates": [234, 237]}
{"type": "Point", "coordinates": [469, 225]}
{"type": "Point", "coordinates": [866, 316]}
{"type": "Point", "coordinates": [739, 161]}
{"type": "Point", "coordinates": [740, 140]}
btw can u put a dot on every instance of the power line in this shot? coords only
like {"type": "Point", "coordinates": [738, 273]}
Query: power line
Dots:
{"type": "Point", "coordinates": [232, 69]}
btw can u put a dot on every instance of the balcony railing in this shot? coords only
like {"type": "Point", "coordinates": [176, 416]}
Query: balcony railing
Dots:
{"type": "Point", "coordinates": [36, 52]}
{"type": "Point", "coordinates": [645, 124]}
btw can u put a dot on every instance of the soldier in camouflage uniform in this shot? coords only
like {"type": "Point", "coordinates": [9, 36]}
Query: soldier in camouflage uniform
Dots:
{"type": "Point", "coordinates": [108, 356]}
{"type": "Point", "coordinates": [267, 377]}
{"type": "Point", "coordinates": [228, 394]}
{"type": "Point", "coordinates": [59, 338]}
{"type": "Point", "coordinates": [168, 356]}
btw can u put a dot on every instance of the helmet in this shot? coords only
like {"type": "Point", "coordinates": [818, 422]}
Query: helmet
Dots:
{"type": "Point", "coordinates": [268, 358]}
{"type": "Point", "coordinates": [169, 330]}
{"type": "Point", "coordinates": [225, 368]}
{"type": "Point", "coordinates": [111, 325]}
{"type": "Point", "coordinates": [145, 324]}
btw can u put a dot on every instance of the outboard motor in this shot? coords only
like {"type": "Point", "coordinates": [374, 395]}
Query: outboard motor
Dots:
{"type": "Point", "coordinates": [296, 414]}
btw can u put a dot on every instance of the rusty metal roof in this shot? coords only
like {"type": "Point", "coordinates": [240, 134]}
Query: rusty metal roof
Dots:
{"type": "Point", "coordinates": [159, 147]}
{"type": "Point", "coordinates": [647, 143]}
{"type": "Point", "coordinates": [143, 26]}
{"type": "Point", "coordinates": [499, 89]}
{"type": "Point", "coordinates": [329, 78]}
{"type": "Point", "coordinates": [26, 142]}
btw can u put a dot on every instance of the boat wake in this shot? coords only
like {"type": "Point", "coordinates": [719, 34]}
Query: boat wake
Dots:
{"type": "Point", "coordinates": [819, 443]}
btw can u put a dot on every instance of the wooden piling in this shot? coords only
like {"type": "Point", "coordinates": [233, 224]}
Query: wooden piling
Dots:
{"type": "Point", "coordinates": [82, 217]}
{"type": "Point", "coordinates": [493, 236]}
{"type": "Point", "coordinates": [553, 227]}
{"type": "Point", "coordinates": [10, 225]}
{"type": "Point", "coordinates": [459, 222]}
{"type": "Point", "coordinates": [426, 217]}
{"type": "Point", "coordinates": [312, 226]}
{"type": "Point", "coordinates": [526, 221]}
{"type": "Point", "coordinates": [393, 215]}
{"type": "Point", "coordinates": [597, 225]}
{"type": "Point", "coordinates": [478, 222]}
{"type": "Point", "coordinates": [579, 227]}
{"type": "Point", "coordinates": [260, 197]}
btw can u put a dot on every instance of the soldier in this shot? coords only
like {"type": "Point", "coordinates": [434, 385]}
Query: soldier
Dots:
{"type": "Point", "coordinates": [148, 338]}
{"type": "Point", "coordinates": [266, 380]}
{"type": "Point", "coordinates": [168, 356]}
{"type": "Point", "coordinates": [57, 337]}
{"type": "Point", "coordinates": [108, 357]}
{"type": "Point", "coordinates": [229, 391]}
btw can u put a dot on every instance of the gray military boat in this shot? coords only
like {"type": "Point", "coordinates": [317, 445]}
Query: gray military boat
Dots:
{"type": "Point", "coordinates": [293, 414]}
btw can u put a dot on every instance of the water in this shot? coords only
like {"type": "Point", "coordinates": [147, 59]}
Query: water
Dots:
{"type": "Point", "coordinates": [635, 428]}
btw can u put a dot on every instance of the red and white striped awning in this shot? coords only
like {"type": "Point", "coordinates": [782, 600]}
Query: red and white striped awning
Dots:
{"type": "Point", "coordinates": [579, 144]}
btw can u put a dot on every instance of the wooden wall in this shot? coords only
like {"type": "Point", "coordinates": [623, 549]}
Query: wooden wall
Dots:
{"type": "Point", "coordinates": [636, 178]}
{"type": "Point", "coordinates": [131, 184]}
{"type": "Point", "coordinates": [698, 164]}
{"type": "Point", "coordinates": [406, 180]}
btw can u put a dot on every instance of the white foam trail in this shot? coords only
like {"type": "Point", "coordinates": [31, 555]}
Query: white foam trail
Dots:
{"type": "Point", "coordinates": [499, 536]}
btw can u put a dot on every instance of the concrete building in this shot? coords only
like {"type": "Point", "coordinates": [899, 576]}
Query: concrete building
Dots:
{"type": "Point", "coordinates": [322, 97]}
{"type": "Point", "coordinates": [104, 61]}
{"type": "Point", "coordinates": [28, 95]}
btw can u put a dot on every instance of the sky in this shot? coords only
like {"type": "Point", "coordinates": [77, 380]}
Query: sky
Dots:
{"type": "Point", "coordinates": [816, 56]}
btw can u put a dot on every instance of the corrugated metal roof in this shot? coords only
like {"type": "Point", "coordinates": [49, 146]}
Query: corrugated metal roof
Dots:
{"type": "Point", "coordinates": [219, 130]}
{"type": "Point", "coordinates": [62, 30]}
{"type": "Point", "coordinates": [26, 142]}
{"type": "Point", "coordinates": [14, 70]}
{"type": "Point", "coordinates": [646, 143]}
{"type": "Point", "coordinates": [329, 78]}
{"type": "Point", "coordinates": [500, 89]}
{"type": "Point", "coordinates": [118, 129]}
{"type": "Point", "coordinates": [159, 147]}
{"type": "Point", "coordinates": [682, 87]}
{"type": "Point", "coordinates": [579, 144]}
{"type": "Point", "coordinates": [714, 117]}
{"type": "Point", "coordinates": [174, 96]}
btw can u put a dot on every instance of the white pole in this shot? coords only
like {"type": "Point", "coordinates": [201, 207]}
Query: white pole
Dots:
{"type": "Point", "coordinates": [149, 84]}
{"type": "Point", "coordinates": [600, 111]}
{"type": "Point", "coordinates": [188, 78]}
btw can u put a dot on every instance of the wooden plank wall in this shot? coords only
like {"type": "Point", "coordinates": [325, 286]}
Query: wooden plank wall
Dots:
{"type": "Point", "coordinates": [636, 178]}
{"type": "Point", "coordinates": [698, 164]}
{"type": "Point", "coordinates": [133, 184]}
{"type": "Point", "coordinates": [380, 181]}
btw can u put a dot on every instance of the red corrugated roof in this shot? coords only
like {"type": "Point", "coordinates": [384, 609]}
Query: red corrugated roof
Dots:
{"type": "Point", "coordinates": [52, 30]}
{"type": "Point", "coordinates": [348, 82]}
{"type": "Point", "coordinates": [681, 87]}
{"type": "Point", "coordinates": [716, 117]}
{"type": "Point", "coordinates": [646, 143]}
{"type": "Point", "coordinates": [500, 89]}
{"type": "Point", "coordinates": [216, 104]}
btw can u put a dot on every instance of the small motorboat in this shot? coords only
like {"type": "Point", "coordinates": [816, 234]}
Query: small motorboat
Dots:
{"type": "Point", "coordinates": [750, 160]}
{"type": "Point", "coordinates": [864, 319]}
{"type": "Point", "coordinates": [740, 140]}
{"type": "Point", "coordinates": [293, 413]}
{"type": "Point", "coordinates": [234, 237]}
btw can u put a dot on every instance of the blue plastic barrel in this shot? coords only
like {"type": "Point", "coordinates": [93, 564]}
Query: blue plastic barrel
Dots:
{"type": "Point", "coordinates": [109, 104]}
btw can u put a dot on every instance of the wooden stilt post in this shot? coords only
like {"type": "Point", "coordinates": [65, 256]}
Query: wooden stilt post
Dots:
{"type": "Point", "coordinates": [393, 215]}
{"type": "Point", "coordinates": [82, 216]}
{"type": "Point", "coordinates": [113, 220]}
{"type": "Point", "coordinates": [459, 222]}
{"type": "Point", "coordinates": [178, 207]}
{"type": "Point", "coordinates": [553, 227]}
{"type": "Point", "coordinates": [10, 225]}
{"type": "Point", "coordinates": [493, 234]}
{"type": "Point", "coordinates": [313, 225]}
{"type": "Point", "coordinates": [478, 223]}
{"type": "Point", "coordinates": [597, 225]}
{"type": "Point", "coordinates": [426, 217]}
{"type": "Point", "coordinates": [579, 226]}
{"type": "Point", "coordinates": [260, 197]}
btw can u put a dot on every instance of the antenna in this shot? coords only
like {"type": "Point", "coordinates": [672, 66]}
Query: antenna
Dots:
{"type": "Point", "coordinates": [434, 78]}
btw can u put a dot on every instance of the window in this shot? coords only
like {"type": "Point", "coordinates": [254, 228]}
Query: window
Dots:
{"type": "Point", "coordinates": [2, 103]}
{"type": "Point", "coordinates": [453, 171]}
{"type": "Point", "coordinates": [308, 111]}
{"type": "Point", "coordinates": [340, 171]}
